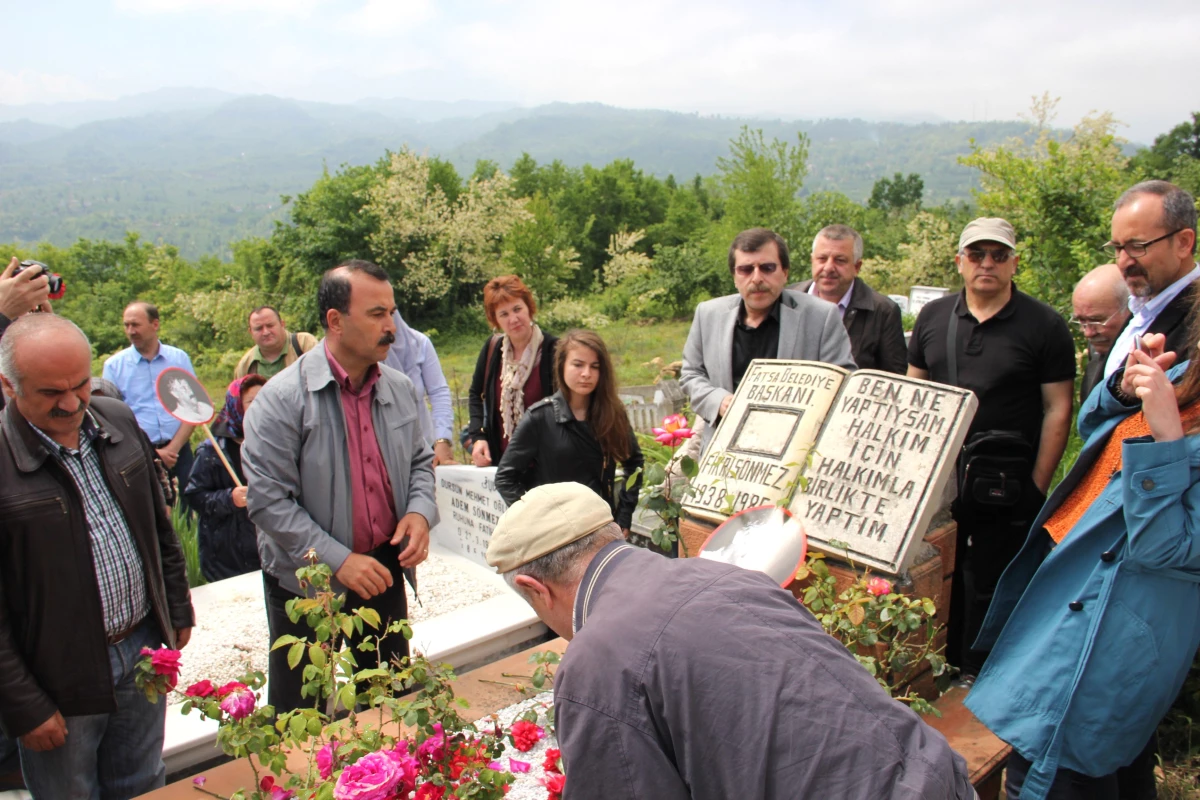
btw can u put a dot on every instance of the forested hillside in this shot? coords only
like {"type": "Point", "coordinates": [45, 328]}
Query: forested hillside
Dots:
{"type": "Point", "coordinates": [202, 169]}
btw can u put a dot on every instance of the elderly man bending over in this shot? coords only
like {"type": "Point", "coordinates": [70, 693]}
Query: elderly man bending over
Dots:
{"type": "Point", "coordinates": [695, 679]}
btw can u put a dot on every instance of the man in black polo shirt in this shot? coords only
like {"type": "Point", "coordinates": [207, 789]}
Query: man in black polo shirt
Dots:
{"type": "Point", "coordinates": [1016, 354]}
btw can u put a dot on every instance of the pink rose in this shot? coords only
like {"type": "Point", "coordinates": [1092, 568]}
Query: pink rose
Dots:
{"type": "Point", "coordinates": [165, 662]}
{"type": "Point", "coordinates": [879, 586]}
{"type": "Point", "coordinates": [373, 777]}
{"type": "Point", "coordinates": [408, 767]}
{"type": "Point", "coordinates": [325, 760]}
{"type": "Point", "coordinates": [237, 700]}
{"type": "Point", "coordinates": [201, 689]}
{"type": "Point", "coordinates": [674, 430]}
{"type": "Point", "coordinates": [434, 748]}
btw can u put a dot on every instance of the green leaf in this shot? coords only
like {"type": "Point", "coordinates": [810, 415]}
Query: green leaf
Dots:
{"type": "Point", "coordinates": [369, 616]}
{"type": "Point", "coordinates": [284, 641]}
{"type": "Point", "coordinates": [316, 655]}
{"type": "Point", "coordinates": [689, 466]}
{"type": "Point", "coordinates": [295, 654]}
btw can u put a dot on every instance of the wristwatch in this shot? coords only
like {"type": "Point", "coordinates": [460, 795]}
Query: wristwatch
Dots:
{"type": "Point", "coordinates": [436, 442]}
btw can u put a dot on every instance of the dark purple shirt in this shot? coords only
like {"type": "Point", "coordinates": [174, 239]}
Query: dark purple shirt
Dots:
{"type": "Point", "coordinates": [370, 487]}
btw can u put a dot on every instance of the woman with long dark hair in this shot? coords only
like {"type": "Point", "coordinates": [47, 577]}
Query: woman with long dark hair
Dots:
{"type": "Point", "coordinates": [228, 539]}
{"type": "Point", "coordinates": [513, 372]}
{"type": "Point", "coordinates": [580, 433]}
{"type": "Point", "coordinates": [1094, 624]}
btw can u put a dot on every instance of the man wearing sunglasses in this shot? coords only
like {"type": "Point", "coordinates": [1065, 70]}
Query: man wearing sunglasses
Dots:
{"type": "Point", "coordinates": [761, 321]}
{"type": "Point", "coordinates": [1017, 355]}
{"type": "Point", "coordinates": [1101, 305]}
{"type": "Point", "coordinates": [1154, 244]}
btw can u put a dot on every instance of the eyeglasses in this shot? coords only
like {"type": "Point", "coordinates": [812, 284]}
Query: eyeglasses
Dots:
{"type": "Point", "coordinates": [746, 270]}
{"type": "Point", "coordinates": [1084, 324]}
{"type": "Point", "coordinates": [1134, 249]}
{"type": "Point", "coordinates": [1000, 255]}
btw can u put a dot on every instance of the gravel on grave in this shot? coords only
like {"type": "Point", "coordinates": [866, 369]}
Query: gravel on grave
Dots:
{"type": "Point", "coordinates": [230, 637]}
{"type": "Point", "coordinates": [526, 786]}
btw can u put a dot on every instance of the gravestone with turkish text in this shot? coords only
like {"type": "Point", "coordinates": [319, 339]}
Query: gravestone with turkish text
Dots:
{"type": "Point", "coordinates": [882, 449]}
{"type": "Point", "coordinates": [469, 508]}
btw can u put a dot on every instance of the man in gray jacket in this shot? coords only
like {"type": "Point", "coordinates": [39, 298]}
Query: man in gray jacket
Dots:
{"type": "Point", "coordinates": [760, 321]}
{"type": "Point", "coordinates": [337, 464]}
{"type": "Point", "coordinates": [691, 678]}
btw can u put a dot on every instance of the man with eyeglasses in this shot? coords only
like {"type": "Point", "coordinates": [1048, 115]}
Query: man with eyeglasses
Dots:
{"type": "Point", "coordinates": [1017, 355]}
{"type": "Point", "coordinates": [1101, 305]}
{"type": "Point", "coordinates": [1154, 244]}
{"type": "Point", "coordinates": [761, 321]}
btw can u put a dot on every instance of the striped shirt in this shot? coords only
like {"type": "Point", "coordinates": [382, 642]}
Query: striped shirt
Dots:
{"type": "Point", "coordinates": [120, 573]}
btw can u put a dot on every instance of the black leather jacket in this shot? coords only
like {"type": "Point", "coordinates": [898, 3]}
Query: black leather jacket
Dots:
{"type": "Point", "coordinates": [53, 648]}
{"type": "Point", "coordinates": [551, 446]}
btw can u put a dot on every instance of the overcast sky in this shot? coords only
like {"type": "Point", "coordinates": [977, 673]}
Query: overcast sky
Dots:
{"type": "Point", "coordinates": [879, 59]}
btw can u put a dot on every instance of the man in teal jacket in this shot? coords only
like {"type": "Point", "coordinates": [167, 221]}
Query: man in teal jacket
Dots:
{"type": "Point", "coordinates": [1095, 622]}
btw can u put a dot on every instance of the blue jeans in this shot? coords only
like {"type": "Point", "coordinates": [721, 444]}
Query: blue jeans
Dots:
{"type": "Point", "coordinates": [1068, 784]}
{"type": "Point", "coordinates": [107, 756]}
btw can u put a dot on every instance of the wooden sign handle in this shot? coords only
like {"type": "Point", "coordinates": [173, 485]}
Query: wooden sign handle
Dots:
{"type": "Point", "coordinates": [221, 455]}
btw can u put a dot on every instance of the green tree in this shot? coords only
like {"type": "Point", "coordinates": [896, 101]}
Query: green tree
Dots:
{"type": "Point", "coordinates": [1159, 160]}
{"type": "Point", "coordinates": [1058, 195]}
{"type": "Point", "coordinates": [898, 192]}
{"type": "Point", "coordinates": [762, 181]}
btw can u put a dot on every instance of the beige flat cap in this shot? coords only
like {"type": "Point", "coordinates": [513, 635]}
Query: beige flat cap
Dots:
{"type": "Point", "coordinates": [988, 229]}
{"type": "Point", "coordinates": [545, 519]}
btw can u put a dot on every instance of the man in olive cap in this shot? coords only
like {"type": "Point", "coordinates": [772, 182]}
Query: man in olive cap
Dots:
{"type": "Point", "coordinates": [696, 679]}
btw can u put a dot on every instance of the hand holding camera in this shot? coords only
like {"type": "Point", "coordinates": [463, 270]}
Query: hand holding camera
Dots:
{"type": "Point", "coordinates": [28, 286]}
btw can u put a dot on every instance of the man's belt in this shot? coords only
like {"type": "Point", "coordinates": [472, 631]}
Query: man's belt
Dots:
{"type": "Point", "coordinates": [117, 638]}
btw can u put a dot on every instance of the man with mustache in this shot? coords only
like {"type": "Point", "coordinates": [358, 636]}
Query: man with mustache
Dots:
{"type": "Point", "coordinates": [761, 321]}
{"type": "Point", "coordinates": [91, 572]}
{"type": "Point", "coordinates": [337, 465]}
{"type": "Point", "coordinates": [1154, 244]}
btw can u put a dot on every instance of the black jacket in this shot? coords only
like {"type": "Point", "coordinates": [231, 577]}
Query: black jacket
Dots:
{"type": "Point", "coordinates": [551, 446]}
{"type": "Point", "coordinates": [1175, 322]}
{"type": "Point", "coordinates": [875, 328]}
{"type": "Point", "coordinates": [481, 399]}
{"type": "Point", "coordinates": [228, 539]}
{"type": "Point", "coordinates": [53, 648]}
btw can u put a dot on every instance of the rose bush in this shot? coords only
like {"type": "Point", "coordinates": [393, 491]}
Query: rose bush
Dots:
{"type": "Point", "coordinates": [352, 758]}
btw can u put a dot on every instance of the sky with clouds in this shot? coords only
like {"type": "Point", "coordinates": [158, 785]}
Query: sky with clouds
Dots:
{"type": "Point", "coordinates": [878, 59]}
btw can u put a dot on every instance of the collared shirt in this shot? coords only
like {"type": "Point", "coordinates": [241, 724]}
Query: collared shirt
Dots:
{"type": "Point", "coordinates": [268, 369]}
{"type": "Point", "coordinates": [1144, 311]}
{"type": "Point", "coordinates": [751, 343]}
{"type": "Point", "coordinates": [842, 304]}
{"type": "Point", "coordinates": [120, 573]}
{"type": "Point", "coordinates": [370, 487]}
{"type": "Point", "coordinates": [1005, 360]}
{"type": "Point", "coordinates": [135, 376]}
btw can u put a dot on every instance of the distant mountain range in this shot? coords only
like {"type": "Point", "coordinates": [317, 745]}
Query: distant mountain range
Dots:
{"type": "Point", "coordinates": [200, 168]}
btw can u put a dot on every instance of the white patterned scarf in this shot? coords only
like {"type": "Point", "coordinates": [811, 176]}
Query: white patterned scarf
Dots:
{"type": "Point", "coordinates": [513, 374]}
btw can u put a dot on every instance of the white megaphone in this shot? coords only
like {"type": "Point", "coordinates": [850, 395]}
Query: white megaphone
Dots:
{"type": "Point", "coordinates": [765, 538]}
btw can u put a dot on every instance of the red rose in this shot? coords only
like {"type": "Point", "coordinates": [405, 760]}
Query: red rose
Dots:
{"type": "Point", "coordinates": [201, 689]}
{"type": "Point", "coordinates": [525, 735]}
{"type": "Point", "coordinates": [551, 762]}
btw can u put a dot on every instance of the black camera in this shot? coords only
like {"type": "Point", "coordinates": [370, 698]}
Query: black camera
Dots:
{"type": "Point", "coordinates": [57, 287]}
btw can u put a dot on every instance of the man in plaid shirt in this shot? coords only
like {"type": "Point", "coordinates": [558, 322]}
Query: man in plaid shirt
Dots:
{"type": "Point", "coordinates": [91, 572]}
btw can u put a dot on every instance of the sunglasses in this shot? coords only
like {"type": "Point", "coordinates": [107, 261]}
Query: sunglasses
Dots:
{"type": "Point", "coordinates": [1000, 255]}
{"type": "Point", "coordinates": [746, 270]}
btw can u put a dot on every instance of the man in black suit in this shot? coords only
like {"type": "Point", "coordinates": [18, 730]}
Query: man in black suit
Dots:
{"type": "Point", "coordinates": [872, 320]}
{"type": "Point", "coordinates": [1101, 305]}
{"type": "Point", "coordinates": [1154, 244]}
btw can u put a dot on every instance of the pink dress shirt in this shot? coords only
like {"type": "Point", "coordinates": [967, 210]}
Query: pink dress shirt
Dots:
{"type": "Point", "coordinates": [370, 487]}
